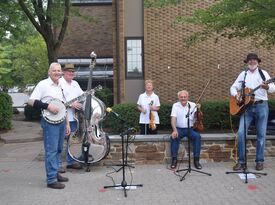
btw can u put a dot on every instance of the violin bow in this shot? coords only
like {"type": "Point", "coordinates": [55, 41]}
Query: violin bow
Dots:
{"type": "Point", "coordinates": [203, 91]}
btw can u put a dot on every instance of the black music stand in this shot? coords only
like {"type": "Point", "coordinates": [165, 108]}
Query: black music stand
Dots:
{"type": "Point", "coordinates": [189, 169]}
{"type": "Point", "coordinates": [124, 163]}
{"type": "Point", "coordinates": [245, 170]}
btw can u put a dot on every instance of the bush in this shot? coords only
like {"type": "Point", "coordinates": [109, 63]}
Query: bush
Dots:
{"type": "Point", "coordinates": [106, 96]}
{"type": "Point", "coordinates": [5, 111]}
{"type": "Point", "coordinates": [216, 116]}
{"type": "Point", "coordinates": [127, 112]}
{"type": "Point", "coordinates": [31, 113]}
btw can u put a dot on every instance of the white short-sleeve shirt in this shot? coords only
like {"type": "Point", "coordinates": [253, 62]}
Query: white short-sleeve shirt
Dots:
{"type": "Point", "coordinates": [46, 90]}
{"type": "Point", "coordinates": [181, 113]}
{"type": "Point", "coordinates": [70, 92]}
{"type": "Point", "coordinates": [144, 101]}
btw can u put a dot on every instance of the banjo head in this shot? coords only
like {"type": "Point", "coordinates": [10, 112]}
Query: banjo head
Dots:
{"type": "Point", "coordinates": [52, 117]}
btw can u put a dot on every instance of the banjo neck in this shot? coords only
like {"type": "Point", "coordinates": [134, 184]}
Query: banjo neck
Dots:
{"type": "Point", "coordinates": [81, 97]}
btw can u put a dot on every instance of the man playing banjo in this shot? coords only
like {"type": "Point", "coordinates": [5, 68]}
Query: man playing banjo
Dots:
{"type": "Point", "coordinates": [53, 133]}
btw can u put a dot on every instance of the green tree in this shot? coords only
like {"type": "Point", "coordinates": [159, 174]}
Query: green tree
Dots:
{"type": "Point", "coordinates": [231, 19]}
{"type": "Point", "coordinates": [5, 66]}
{"type": "Point", "coordinates": [30, 63]}
{"type": "Point", "coordinates": [50, 19]}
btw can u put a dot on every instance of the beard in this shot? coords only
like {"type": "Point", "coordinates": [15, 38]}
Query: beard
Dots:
{"type": "Point", "coordinates": [253, 67]}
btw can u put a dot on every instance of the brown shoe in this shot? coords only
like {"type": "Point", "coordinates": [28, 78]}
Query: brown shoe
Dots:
{"type": "Point", "coordinates": [61, 178]}
{"type": "Point", "coordinates": [259, 166]}
{"type": "Point", "coordinates": [238, 167]}
{"type": "Point", "coordinates": [62, 170]}
{"type": "Point", "coordinates": [74, 166]}
{"type": "Point", "coordinates": [56, 185]}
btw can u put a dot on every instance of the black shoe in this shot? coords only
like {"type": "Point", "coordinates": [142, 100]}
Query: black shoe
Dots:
{"type": "Point", "coordinates": [174, 162]}
{"type": "Point", "coordinates": [61, 178]}
{"type": "Point", "coordinates": [259, 166]}
{"type": "Point", "coordinates": [238, 167]}
{"type": "Point", "coordinates": [74, 166]}
{"type": "Point", "coordinates": [197, 163]}
{"type": "Point", "coordinates": [56, 185]}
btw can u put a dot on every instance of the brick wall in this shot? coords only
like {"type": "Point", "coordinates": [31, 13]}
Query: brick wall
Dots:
{"type": "Point", "coordinates": [174, 67]}
{"type": "Point", "coordinates": [84, 36]}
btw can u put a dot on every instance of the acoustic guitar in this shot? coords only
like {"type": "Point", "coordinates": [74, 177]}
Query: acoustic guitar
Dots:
{"type": "Point", "coordinates": [238, 107]}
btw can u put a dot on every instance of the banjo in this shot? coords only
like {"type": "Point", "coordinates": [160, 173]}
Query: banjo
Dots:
{"type": "Point", "coordinates": [61, 115]}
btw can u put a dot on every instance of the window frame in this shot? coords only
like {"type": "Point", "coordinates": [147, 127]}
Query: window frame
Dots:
{"type": "Point", "coordinates": [142, 58]}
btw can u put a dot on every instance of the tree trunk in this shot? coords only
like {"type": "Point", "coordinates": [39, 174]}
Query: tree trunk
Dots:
{"type": "Point", "coordinates": [52, 52]}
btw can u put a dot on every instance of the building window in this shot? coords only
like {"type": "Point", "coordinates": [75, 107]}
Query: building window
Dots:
{"type": "Point", "coordinates": [134, 57]}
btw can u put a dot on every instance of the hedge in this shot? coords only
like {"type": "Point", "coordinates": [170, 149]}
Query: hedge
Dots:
{"type": "Point", "coordinates": [5, 111]}
{"type": "Point", "coordinates": [216, 117]}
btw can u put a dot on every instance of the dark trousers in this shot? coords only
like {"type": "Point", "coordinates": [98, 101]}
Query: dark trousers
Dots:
{"type": "Point", "coordinates": [145, 128]}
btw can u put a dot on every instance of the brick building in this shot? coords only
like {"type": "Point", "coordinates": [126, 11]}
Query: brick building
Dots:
{"type": "Point", "coordinates": [138, 43]}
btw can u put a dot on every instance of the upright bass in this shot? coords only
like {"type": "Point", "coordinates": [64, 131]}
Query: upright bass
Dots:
{"type": "Point", "coordinates": [198, 125]}
{"type": "Point", "coordinates": [89, 134]}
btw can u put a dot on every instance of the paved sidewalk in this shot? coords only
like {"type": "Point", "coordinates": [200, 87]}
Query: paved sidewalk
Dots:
{"type": "Point", "coordinates": [22, 182]}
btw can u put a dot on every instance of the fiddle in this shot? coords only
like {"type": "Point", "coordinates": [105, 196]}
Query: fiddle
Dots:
{"type": "Point", "coordinates": [152, 123]}
{"type": "Point", "coordinates": [198, 124]}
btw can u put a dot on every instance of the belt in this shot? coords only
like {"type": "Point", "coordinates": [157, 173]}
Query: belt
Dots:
{"type": "Point", "coordinates": [258, 102]}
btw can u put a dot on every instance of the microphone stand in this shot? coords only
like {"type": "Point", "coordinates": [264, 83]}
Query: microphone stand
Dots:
{"type": "Point", "coordinates": [189, 169]}
{"type": "Point", "coordinates": [245, 170]}
{"type": "Point", "coordinates": [123, 184]}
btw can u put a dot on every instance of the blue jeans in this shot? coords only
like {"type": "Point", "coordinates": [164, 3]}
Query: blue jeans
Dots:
{"type": "Point", "coordinates": [53, 144]}
{"type": "Point", "coordinates": [194, 136]}
{"type": "Point", "coordinates": [259, 113]}
{"type": "Point", "coordinates": [69, 159]}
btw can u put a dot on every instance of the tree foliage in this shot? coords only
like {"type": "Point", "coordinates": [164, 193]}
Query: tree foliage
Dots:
{"type": "Point", "coordinates": [30, 63]}
{"type": "Point", "coordinates": [233, 19]}
{"type": "Point", "coordinates": [50, 19]}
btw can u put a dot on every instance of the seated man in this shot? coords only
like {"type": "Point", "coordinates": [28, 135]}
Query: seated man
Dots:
{"type": "Point", "coordinates": [181, 112]}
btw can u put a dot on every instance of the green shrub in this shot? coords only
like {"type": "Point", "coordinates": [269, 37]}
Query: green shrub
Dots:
{"type": "Point", "coordinates": [5, 111]}
{"type": "Point", "coordinates": [106, 96]}
{"type": "Point", "coordinates": [216, 116]}
{"type": "Point", "coordinates": [31, 113]}
{"type": "Point", "coordinates": [127, 112]}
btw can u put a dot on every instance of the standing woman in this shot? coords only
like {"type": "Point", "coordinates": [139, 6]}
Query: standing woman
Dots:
{"type": "Point", "coordinates": [148, 105]}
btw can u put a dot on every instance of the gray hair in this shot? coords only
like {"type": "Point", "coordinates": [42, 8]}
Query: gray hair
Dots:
{"type": "Point", "coordinates": [183, 91]}
{"type": "Point", "coordinates": [53, 65]}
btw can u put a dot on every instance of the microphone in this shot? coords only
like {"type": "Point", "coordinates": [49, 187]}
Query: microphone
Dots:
{"type": "Point", "coordinates": [129, 130]}
{"type": "Point", "coordinates": [110, 110]}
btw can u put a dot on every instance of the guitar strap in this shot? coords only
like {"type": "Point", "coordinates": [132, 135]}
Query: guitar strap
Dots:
{"type": "Point", "coordinates": [262, 74]}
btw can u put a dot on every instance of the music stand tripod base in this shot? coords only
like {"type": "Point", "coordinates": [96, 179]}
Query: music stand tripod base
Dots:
{"type": "Point", "coordinates": [246, 172]}
{"type": "Point", "coordinates": [123, 184]}
{"type": "Point", "coordinates": [188, 170]}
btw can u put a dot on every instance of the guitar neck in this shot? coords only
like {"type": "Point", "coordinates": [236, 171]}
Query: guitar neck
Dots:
{"type": "Point", "coordinates": [267, 82]}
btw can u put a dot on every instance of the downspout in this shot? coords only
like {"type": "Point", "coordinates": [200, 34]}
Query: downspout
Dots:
{"type": "Point", "coordinates": [117, 51]}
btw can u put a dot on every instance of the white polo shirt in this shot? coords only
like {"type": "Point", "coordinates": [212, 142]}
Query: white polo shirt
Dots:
{"type": "Point", "coordinates": [70, 91]}
{"type": "Point", "coordinates": [180, 112]}
{"type": "Point", "coordinates": [46, 90]}
{"type": "Point", "coordinates": [144, 101]}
